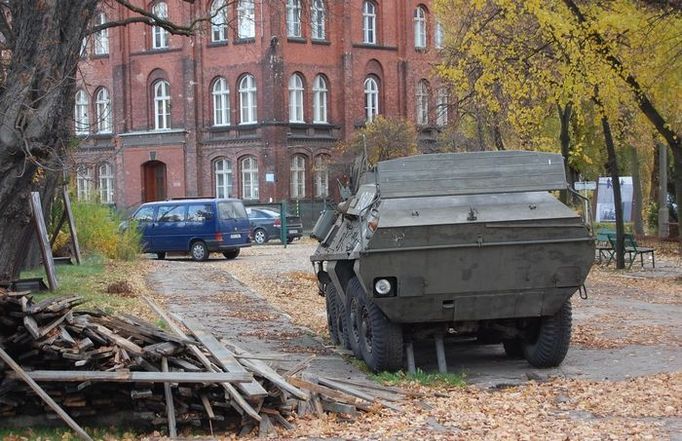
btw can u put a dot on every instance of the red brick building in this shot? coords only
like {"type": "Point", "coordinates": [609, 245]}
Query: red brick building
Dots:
{"type": "Point", "coordinates": [252, 106]}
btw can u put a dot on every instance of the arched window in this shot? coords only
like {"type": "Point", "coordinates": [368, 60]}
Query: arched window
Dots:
{"type": "Point", "coordinates": [218, 21]}
{"type": "Point", "coordinates": [298, 177]}
{"type": "Point", "coordinates": [103, 110]}
{"type": "Point", "coordinates": [320, 100]}
{"type": "Point", "coordinates": [83, 183]}
{"type": "Point", "coordinates": [296, 99]}
{"type": "Point", "coordinates": [106, 183]}
{"type": "Point", "coordinates": [442, 102]}
{"type": "Point", "coordinates": [321, 176]}
{"type": "Point", "coordinates": [222, 168]}
{"type": "Point", "coordinates": [101, 37]}
{"type": "Point", "coordinates": [420, 27]}
{"type": "Point", "coordinates": [438, 36]}
{"type": "Point", "coordinates": [422, 100]}
{"type": "Point", "coordinates": [247, 100]}
{"type": "Point", "coordinates": [249, 170]}
{"type": "Point", "coordinates": [81, 113]}
{"type": "Point", "coordinates": [318, 20]}
{"type": "Point", "coordinates": [371, 99]}
{"type": "Point", "coordinates": [246, 19]}
{"type": "Point", "coordinates": [369, 22]}
{"type": "Point", "coordinates": [221, 102]}
{"type": "Point", "coordinates": [159, 34]}
{"type": "Point", "coordinates": [293, 18]}
{"type": "Point", "coordinates": [161, 105]}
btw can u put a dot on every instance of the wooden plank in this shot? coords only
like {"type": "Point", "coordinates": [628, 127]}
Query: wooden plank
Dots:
{"type": "Point", "coordinates": [120, 341]}
{"type": "Point", "coordinates": [207, 406]}
{"type": "Point", "coordinates": [43, 395]}
{"type": "Point", "coordinates": [140, 377]}
{"type": "Point", "coordinates": [331, 393]}
{"type": "Point", "coordinates": [72, 225]}
{"type": "Point", "coordinates": [170, 407]}
{"type": "Point", "coordinates": [350, 390]}
{"type": "Point", "coordinates": [43, 240]}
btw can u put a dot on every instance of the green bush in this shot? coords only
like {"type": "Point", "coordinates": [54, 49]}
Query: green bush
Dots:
{"type": "Point", "coordinates": [98, 232]}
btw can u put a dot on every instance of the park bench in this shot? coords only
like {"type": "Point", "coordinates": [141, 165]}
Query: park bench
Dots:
{"type": "Point", "coordinates": [631, 249]}
{"type": "Point", "coordinates": [603, 245]}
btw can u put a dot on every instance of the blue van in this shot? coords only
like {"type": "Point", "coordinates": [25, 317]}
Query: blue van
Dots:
{"type": "Point", "coordinates": [194, 226]}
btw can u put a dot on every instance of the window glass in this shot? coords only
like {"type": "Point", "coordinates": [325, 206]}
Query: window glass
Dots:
{"type": "Point", "coordinates": [171, 213]}
{"type": "Point", "coordinates": [144, 214]}
{"type": "Point", "coordinates": [199, 213]}
{"type": "Point", "coordinates": [231, 210]}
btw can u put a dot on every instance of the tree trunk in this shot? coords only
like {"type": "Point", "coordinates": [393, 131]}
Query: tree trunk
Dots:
{"type": "Point", "coordinates": [677, 176]}
{"type": "Point", "coordinates": [617, 198]}
{"type": "Point", "coordinates": [565, 114]}
{"type": "Point", "coordinates": [637, 193]}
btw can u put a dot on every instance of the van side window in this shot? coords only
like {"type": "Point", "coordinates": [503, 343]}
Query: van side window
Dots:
{"type": "Point", "coordinates": [171, 213]}
{"type": "Point", "coordinates": [200, 213]}
{"type": "Point", "coordinates": [231, 210]}
{"type": "Point", "coordinates": [144, 214]}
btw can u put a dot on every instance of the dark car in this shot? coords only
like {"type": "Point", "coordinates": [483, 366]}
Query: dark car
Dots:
{"type": "Point", "coordinates": [266, 224]}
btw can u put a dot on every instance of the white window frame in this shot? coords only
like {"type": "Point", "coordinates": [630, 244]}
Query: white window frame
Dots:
{"type": "Point", "coordinates": [162, 105]}
{"type": "Point", "coordinates": [248, 100]}
{"type": "Point", "coordinates": [246, 19]}
{"type": "Point", "coordinates": [221, 102]}
{"type": "Point", "coordinates": [160, 36]}
{"type": "Point", "coordinates": [442, 103]}
{"type": "Point", "coordinates": [81, 110]}
{"type": "Point", "coordinates": [318, 20]}
{"type": "Point", "coordinates": [320, 100]}
{"type": "Point", "coordinates": [218, 21]}
{"type": "Point", "coordinates": [371, 88]}
{"type": "Point", "coordinates": [422, 102]}
{"type": "Point", "coordinates": [438, 36]}
{"type": "Point", "coordinates": [84, 183]}
{"type": "Point", "coordinates": [321, 176]}
{"type": "Point", "coordinates": [296, 90]}
{"type": "Point", "coordinates": [294, 18]}
{"type": "Point", "coordinates": [369, 22]}
{"type": "Point", "coordinates": [297, 177]}
{"type": "Point", "coordinates": [106, 183]}
{"type": "Point", "coordinates": [249, 175]}
{"type": "Point", "coordinates": [103, 111]}
{"type": "Point", "coordinates": [101, 37]}
{"type": "Point", "coordinates": [222, 169]}
{"type": "Point", "coordinates": [420, 28]}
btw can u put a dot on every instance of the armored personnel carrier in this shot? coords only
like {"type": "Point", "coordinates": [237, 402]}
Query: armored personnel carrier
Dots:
{"type": "Point", "coordinates": [454, 244]}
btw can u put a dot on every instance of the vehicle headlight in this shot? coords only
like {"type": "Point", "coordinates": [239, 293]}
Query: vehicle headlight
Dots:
{"type": "Point", "coordinates": [382, 287]}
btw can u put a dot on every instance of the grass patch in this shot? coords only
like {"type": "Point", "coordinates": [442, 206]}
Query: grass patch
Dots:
{"type": "Point", "coordinates": [63, 434]}
{"type": "Point", "coordinates": [420, 377]}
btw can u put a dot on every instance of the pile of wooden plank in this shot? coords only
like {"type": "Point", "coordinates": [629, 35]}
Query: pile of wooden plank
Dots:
{"type": "Point", "coordinates": [91, 363]}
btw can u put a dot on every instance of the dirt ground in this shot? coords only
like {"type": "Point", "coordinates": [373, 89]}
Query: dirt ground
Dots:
{"type": "Point", "coordinates": [622, 378]}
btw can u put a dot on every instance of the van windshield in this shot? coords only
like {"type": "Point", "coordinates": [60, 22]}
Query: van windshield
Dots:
{"type": "Point", "coordinates": [231, 210]}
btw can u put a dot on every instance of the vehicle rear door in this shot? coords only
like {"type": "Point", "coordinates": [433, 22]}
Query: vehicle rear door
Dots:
{"type": "Point", "coordinates": [170, 233]}
{"type": "Point", "coordinates": [233, 222]}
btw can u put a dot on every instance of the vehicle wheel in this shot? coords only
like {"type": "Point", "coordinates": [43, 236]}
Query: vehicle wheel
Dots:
{"type": "Point", "coordinates": [198, 251]}
{"type": "Point", "coordinates": [160, 256]}
{"type": "Point", "coordinates": [290, 239]}
{"type": "Point", "coordinates": [513, 347]}
{"type": "Point", "coordinates": [260, 236]}
{"type": "Point", "coordinates": [547, 347]}
{"type": "Point", "coordinates": [341, 324]}
{"type": "Point", "coordinates": [351, 322]}
{"type": "Point", "coordinates": [332, 313]}
{"type": "Point", "coordinates": [232, 254]}
{"type": "Point", "coordinates": [381, 341]}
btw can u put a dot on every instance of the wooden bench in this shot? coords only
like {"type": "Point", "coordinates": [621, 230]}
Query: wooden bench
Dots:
{"type": "Point", "coordinates": [632, 249]}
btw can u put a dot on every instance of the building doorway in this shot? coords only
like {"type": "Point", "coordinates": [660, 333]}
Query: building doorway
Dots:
{"type": "Point", "coordinates": [153, 181]}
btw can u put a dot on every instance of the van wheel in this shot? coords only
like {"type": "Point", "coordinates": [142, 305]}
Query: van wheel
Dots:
{"type": "Point", "coordinates": [548, 343]}
{"type": "Point", "coordinates": [380, 340]}
{"type": "Point", "coordinates": [199, 251]}
{"type": "Point", "coordinates": [260, 236]}
{"type": "Point", "coordinates": [160, 256]}
{"type": "Point", "coordinates": [232, 254]}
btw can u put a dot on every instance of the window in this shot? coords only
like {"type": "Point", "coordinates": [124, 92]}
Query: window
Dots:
{"type": "Point", "coordinates": [83, 183]}
{"type": "Point", "coordinates": [246, 18]}
{"type": "Point", "coordinates": [221, 102]}
{"type": "Point", "coordinates": [103, 110]}
{"type": "Point", "coordinates": [247, 100]}
{"type": "Point", "coordinates": [171, 213]}
{"type": "Point", "coordinates": [298, 177]}
{"type": "Point", "coordinates": [249, 168]}
{"type": "Point", "coordinates": [231, 210]}
{"type": "Point", "coordinates": [371, 99]}
{"type": "Point", "coordinates": [369, 23]}
{"type": "Point", "coordinates": [218, 21]}
{"type": "Point", "coordinates": [293, 18]}
{"type": "Point", "coordinates": [101, 37]}
{"type": "Point", "coordinates": [223, 178]}
{"type": "Point", "coordinates": [438, 36]}
{"type": "Point", "coordinates": [442, 99]}
{"type": "Point", "coordinates": [422, 100]}
{"type": "Point", "coordinates": [81, 113]}
{"type": "Point", "coordinates": [296, 99]}
{"type": "Point", "coordinates": [420, 27]}
{"type": "Point", "coordinates": [84, 47]}
{"type": "Point", "coordinates": [159, 34]}
{"type": "Point", "coordinates": [320, 100]}
{"type": "Point", "coordinates": [199, 213]}
{"type": "Point", "coordinates": [106, 183]}
{"type": "Point", "coordinates": [322, 176]}
{"type": "Point", "coordinates": [144, 214]}
{"type": "Point", "coordinates": [318, 18]}
{"type": "Point", "coordinates": [161, 105]}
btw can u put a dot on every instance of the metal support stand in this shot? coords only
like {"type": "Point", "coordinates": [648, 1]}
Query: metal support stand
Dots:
{"type": "Point", "coordinates": [440, 354]}
{"type": "Point", "coordinates": [409, 352]}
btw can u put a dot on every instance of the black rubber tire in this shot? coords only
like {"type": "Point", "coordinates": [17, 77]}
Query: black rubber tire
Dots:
{"type": "Point", "coordinates": [341, 322]}
{"type": "Point", "coordinates": [332, 313]}
{"type": "Point", "coordinates": [381, 341]}
{"type": "Point", "coordinates": [513, 347]}
{"type": "Point", "coordinates": [160, 256]}
{"type": "Point", "coordinates": [260, 236]}
{"type": "Point", "coordinates": [290, 239]}
{"type": "Point", "coordinates": [232, 254]}
{"type": "Point", "coordinates": [198, 250]}
{"type": "Point", "coordinates": [548, 346]}
{"type": "Point", "coordinates": [351, 323]}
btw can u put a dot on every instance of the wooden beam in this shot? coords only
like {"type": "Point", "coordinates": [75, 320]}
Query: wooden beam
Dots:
{"type": "Point", "coordinates": [139, 377]}
{"type": "Point", "coordinates": [43, 240]}
{"type": "Point", "coordinates": [170, 407]}
{"type": "Point", "coordinates": [72, 225]}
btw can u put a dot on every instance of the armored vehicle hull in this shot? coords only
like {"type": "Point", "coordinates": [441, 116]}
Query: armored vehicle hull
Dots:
{"type": "Point", "coordinates": [467, 244]}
